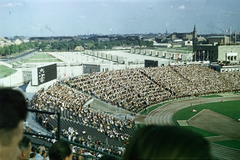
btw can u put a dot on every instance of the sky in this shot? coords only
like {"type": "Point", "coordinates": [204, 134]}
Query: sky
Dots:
{"type": "Point", "coordinates": [31, 18]}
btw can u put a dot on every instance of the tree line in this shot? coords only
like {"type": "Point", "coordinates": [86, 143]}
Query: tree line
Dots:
{"type": "Point", "coordinates": [90, 44]}
{"type": "Point", "coordinates": [71, 45]}
{"type": "Point", "coordinates": [14, 48]}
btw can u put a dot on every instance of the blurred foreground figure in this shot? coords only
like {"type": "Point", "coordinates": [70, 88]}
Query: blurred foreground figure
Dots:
{"type": "Point", "coordinates": [25, 147]}
{"type": "Point", "coordinates": [167, 142]}
{"type": "Point", "coordinates": [60, 151]}
{"type": "Point", "coordinates": [13, 111]}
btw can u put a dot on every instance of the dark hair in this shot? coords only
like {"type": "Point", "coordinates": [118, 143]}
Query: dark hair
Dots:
{"type": "Point", "coordinates": [34, 149]}
{"type": "Point", "coordinates": [39, 150]}
{"type": "Point", "coordinates": [13, 109]}
{"type": "Point", "coordinates": [59, 150]}
{"type": "Point", "coordinates": [32, 155]}
{"type": "Point", "coordinates": [43, 152]}
{"type": "Point", "coordinates": [25, 143]}
{"type": "Point", "coordinates": [167, 142]}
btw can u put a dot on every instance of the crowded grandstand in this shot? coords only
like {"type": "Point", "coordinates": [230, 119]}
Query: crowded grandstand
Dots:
{"type": "Point", "coordinates": [130, 89]}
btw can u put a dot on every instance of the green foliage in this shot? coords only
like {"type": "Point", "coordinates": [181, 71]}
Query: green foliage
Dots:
{"type": "Point", "coordinates": [7, 50]}
{"type": "Point", "coordinates": [2, 50]}
{"type": "Point", "coordinates": [90, 44]}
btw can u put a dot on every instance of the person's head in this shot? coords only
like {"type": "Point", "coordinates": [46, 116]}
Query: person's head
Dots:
{"type": "Point", "coordinates": [60, 150]}
{"type": "Point", "coordinates": [79, 150]}
{"type": "Point", "coordinates": [44, 154]}
{"type": "Point", "coordinates": [32, 155]}
{"type": "Point", "coordinates": [39, 151]}
{"type": "Point", "coordinates": [34, 149]}
{"type": "Point", "coordinates": [25, 147]}
{"type": "Point", "coordinates": [166, 142]}
{"type": "Point", "coordinates": [13, 111]}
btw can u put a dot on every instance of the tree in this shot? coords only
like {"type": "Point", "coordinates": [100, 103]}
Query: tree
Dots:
{"type": "Point", "coordinates": [140, 43]}
{"type": "Point", "coordinates": [7, 50]}
{"type": "Point", "coordinates": [13, 48]}
{"type": "Point", "coordinates": [2, 51]}
{"type": "Point", "coordinates": [54, 45]}
{"type": "Point", "coordinates": [71, 46]}
{"type": "Point", "coordinates": [90, 45]}
{"type": "Point", "coordinates": [41, 46]}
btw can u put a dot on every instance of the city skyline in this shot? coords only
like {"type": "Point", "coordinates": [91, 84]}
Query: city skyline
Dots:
{"type": "Point", "coordinates": [80, 17]}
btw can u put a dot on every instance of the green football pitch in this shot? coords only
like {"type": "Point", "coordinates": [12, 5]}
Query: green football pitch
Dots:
{"type": "Point", "coordinates": [6, 71]}
{"type": "Point", "coordinates": [41, 57]}
{"type": "Point", "coordinates": [229, 108]}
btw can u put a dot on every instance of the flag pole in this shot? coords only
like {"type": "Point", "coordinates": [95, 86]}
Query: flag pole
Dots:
{"type": "Point", "coordinates": [230, 35]}
{"type": "Point", "coordinates": [235, 35]}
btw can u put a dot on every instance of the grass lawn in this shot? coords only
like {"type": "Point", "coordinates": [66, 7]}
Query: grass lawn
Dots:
{"type": "Point", "coordinates": [229, 108]}
{"type": "Point", "coordinates": [20, 53]}
{"type": "Point", "coordinates": [40, 60]}
{"type": "Point", "coordinates": [4, 70]}
{"type": "Point", "coordinates": [231, 143]}
{"type": "Point", "coordinates": [41, 57]}
{"type": "Point", "coordinates": [211, 96]}
{"type": "Point", "coordinates": [200, 131]}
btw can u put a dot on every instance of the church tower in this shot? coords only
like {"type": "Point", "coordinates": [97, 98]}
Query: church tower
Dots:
{"type": "Point", "coordinates": [194, 35]}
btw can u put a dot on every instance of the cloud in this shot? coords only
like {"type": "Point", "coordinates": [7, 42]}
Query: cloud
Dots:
{"type": "Point", "coordinates": [181, 7]}
{"type": "Point", "coordinates": [11, 5]}
{"type": "Point", "coordinates": [231, 12]}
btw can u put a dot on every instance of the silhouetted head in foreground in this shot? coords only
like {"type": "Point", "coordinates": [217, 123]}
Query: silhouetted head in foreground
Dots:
{"type": "Point", "coordinates": [13, 111]}
{"type": "Point", "coordinates": [60, 150]}
{"type": "Point", "coordinates": [166, 142]}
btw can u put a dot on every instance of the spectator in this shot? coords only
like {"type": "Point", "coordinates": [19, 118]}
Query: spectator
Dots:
{"type": "Point", "coordinates": [79, 152]}
{"type": "Point", "coordinates": [34, 149]}
{"type": "Point", "coordinates": [44, 154]}
{"type": "Point", "coordinates": [13, 111]}
{"type": "Point", "coordinates": [167, 142]}
{"type": "Point", "coordinates": [32, 156]}
{"type": "Point", "coordinates": [39, 154]}
{"type": "Point", "coordinates": [25, 147]}
{"type": "Point", "coordinates": [60, 150]}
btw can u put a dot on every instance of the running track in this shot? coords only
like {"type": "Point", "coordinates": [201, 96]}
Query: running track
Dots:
{"type": "Point", "coordinates": [163, 116]}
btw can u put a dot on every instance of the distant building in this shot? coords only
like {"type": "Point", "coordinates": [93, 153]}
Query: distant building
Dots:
{"type": "Point", "coordinates": [184, 36]}
{"type": "Point", "coordinates": [176, 45]}
{"type": "Point", "coordinates": [217, 53]}
{"type": "Point", "coordinates": [19, 37]}
{"type": "Point", "coordinates": [162, 45]}
{"type": "Point", "coordinates": [229, 68]}
{"type": "Point", "coordinates": [188, 43]}
{"type": "Point", "coordinates": [218, 39]}
{"type": "Point", "coordinates": [51, 39]}
{"type": "Point", "coordinates": [217, 50]}
{"type": "Point", "coordinates": [101, 38]}
{"type": "Point", "coordinates": [17, 41]}
{"type": "Point", "coordinates": [79, 48]}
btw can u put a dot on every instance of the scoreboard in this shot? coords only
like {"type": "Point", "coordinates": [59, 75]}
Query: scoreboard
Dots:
{"type": "Point", "coordinates": [151, 63]}
{"type": "Point", "coordinates": [44, 73]}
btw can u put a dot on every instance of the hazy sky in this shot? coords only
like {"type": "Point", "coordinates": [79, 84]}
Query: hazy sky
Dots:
{"type": "Point", "coordinates": [74, 17]}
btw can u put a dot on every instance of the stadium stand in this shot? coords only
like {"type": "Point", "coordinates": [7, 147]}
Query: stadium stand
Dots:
{"type": "Point", "coordinates": [130, 89]}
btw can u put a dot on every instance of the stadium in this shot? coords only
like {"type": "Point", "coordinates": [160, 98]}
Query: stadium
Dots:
{"type": "Point", "coordinates": [101, 98]}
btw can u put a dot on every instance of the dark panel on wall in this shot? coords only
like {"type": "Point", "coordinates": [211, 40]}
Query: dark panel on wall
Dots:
{"type": "Point", "coordinates": [151, 63]}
